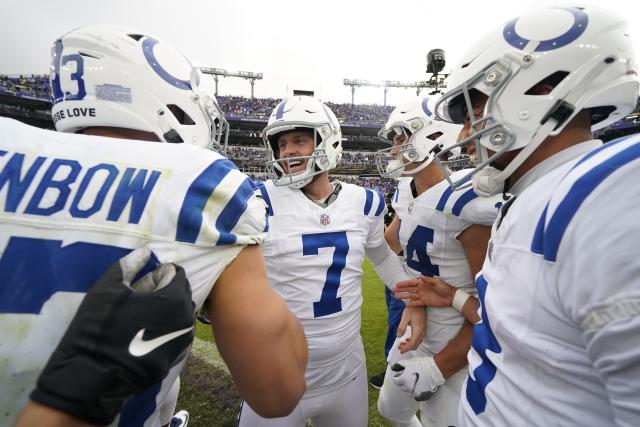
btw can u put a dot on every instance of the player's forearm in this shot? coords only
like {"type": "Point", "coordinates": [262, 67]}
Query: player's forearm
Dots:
{"type": "Point", "coordinates": [387, 265]}
{"type": "Point", "coordinates": [35, 414]}
{"type": "Point", "coordinates": [453, 356]}
{"type": "Point", "coordinates": [470, 310]}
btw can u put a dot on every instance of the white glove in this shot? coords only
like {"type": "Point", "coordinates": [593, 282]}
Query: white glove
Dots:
{"type": "Point", "coordinates": [418, 376]}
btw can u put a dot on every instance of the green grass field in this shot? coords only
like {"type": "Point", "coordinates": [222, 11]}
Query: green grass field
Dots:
{"type": "Point", "coordinates": [210, 397]}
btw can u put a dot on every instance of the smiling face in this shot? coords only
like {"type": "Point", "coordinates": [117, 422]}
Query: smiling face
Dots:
{"type": "Point", "coordinates": [292, 144]}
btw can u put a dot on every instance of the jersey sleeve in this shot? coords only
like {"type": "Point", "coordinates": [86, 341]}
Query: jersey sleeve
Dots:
{"type": "Point", "coordinates": [480, 210]}
{"type": "Point", "coordinates": [221, 208]}
{"type": "Point", "coordinates": [375, 209]}
{"type": "Point", "coordinates": [592, 236]}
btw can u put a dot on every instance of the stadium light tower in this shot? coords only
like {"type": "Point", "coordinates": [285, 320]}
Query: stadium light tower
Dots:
{"type": "Point", "coordinates": [247, 75]}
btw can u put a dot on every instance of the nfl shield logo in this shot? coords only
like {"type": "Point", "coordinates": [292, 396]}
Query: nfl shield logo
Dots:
{"type": "Point", "coordinates": [324, 219]}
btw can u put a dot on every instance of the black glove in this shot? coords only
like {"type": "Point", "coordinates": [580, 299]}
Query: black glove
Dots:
{"type": "Point", "coordinates": [123, 339]}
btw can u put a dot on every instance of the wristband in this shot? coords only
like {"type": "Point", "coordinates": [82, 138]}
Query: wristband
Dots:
{"type": "Point", "coordinates": [459, 299]}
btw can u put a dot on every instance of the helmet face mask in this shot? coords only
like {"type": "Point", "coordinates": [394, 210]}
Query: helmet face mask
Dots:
{"type": "Point", "coordinates": [424, 137]}
{"type": "Point", "coordinates": [584, 52]}
{"type": "Point", "coordinates": [111, 76]}
{"type": "Point", "coordinates": [302, 113]}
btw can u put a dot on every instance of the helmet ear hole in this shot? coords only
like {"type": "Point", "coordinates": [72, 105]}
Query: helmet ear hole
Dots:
{"type": "Point", "coordinates": [180, 115]}
{"type": "Point", "coordinates": [552, 80]}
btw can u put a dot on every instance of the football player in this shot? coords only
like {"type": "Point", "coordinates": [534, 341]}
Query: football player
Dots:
{"type": "Point", "coordinates": [319, 234]}
{"type": "Point", "coordinates": [557, 342]}
{"type": "Point", "coordinates": [73, 204]}
{"type": "Point", "coordinates": [441, 233]}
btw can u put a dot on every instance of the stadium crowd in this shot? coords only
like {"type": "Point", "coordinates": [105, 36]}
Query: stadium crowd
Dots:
{"type": "Point", "coordinates": [31, 86]}
{"type": "Point", "coordinates": [256, 156]}
{"type": "Point", "coordinates": [238, 107]}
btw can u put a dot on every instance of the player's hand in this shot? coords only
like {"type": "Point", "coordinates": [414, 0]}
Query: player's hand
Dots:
{"type": "Point", "coordinates": [123, 339]}
{"type": "Point", "coordinates": [418, 376]}
{"type": "Point", "coordinates": [416, 318]}
{"type": "Point", "coordinates": [429, 291]}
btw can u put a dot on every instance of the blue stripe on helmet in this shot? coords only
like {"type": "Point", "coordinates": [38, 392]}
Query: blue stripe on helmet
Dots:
{"type": "Point", "coordinates": [280, 109]}
{"type": "Point", "coordinates": [425, 107]}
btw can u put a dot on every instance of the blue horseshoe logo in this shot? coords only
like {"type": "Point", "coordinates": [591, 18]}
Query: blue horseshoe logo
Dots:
{"type": "Point", "coordinates": [580, 22]}
{"type": "Point", "coordinates": [147, 49]}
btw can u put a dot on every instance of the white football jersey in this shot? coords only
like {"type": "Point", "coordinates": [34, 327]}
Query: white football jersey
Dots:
{"type": "Point", "coordinates": [314, 261]}
{"type": "Point", "coordinates": [559, 338]}
{"type": "Point", "coordinates": [72, 205]}
{"type": "Point", "coordinates": [429, 227]}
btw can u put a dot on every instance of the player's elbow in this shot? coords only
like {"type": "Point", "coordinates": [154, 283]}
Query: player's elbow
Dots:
{"type": "Point", "coordinates": [281, 372]}
{"type": "Point", "coordinates": [281, 402]}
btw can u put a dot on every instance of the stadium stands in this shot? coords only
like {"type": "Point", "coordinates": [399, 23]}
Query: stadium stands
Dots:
{"type": "Point", "coordinates": [25, 97]}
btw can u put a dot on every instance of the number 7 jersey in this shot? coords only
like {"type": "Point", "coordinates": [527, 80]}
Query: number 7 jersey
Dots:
{"type": "Point", "coordinates": [314, 261]}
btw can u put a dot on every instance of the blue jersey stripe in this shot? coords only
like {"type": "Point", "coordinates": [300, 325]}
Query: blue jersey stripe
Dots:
{"type": "Point", "coordinates": [265, 197]}
{"type": "Point", "coordinates": [578, 193]}
{"type": "Point", "coordinates": [595, 151]}
{"type": "Point", "coordinates": [201, 189]}
{"type": "Point", "coordinates": [368, 202]}
{"type": "Point", "coordinates": [537, 245]}
{"type": "Point", "coordinates": [462, 201]}
{"type": "Point", "coordinates": [380, 203]}
{"type": "Point", "coordinates": [443, 199]}
{"type": "Point", "coordinates": [232, 212]}
{"type": "Point", "coordinates": [483, 340]}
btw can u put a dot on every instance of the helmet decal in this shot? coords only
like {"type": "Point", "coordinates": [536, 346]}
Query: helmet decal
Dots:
{"type": "Point", "coordinates": [425, 107]}
{"type": "Point", "coordinates": [56, 89]}
{"type": "Point", "coordinates": [147, 49]}
{"type": "Point", "coordinates": [580, 22]}
{"type": "Point", "coordinates": [280, 109]}
{"type": "Point", "coordinates": [116, 76]}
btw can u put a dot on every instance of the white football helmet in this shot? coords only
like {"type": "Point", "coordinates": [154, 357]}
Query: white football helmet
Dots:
{"type": "Point", "coordinates": [114, 76]}
{"type": "Point", "coordinates": [425, 137]}
{"type": "Point", "coordinates": [584, 52]}
{"type": "Point", "coordinates": [303, 112]}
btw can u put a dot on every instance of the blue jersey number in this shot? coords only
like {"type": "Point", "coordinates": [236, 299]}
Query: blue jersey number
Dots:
{"type": "Point", "coordinates": [329, 302]}
{"type": "Point", "coordinates": [417, 256]}
{"type": "Point", "coordinates": [483, 340]}
{"type": "Point", "coordinates": [31, 270]}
